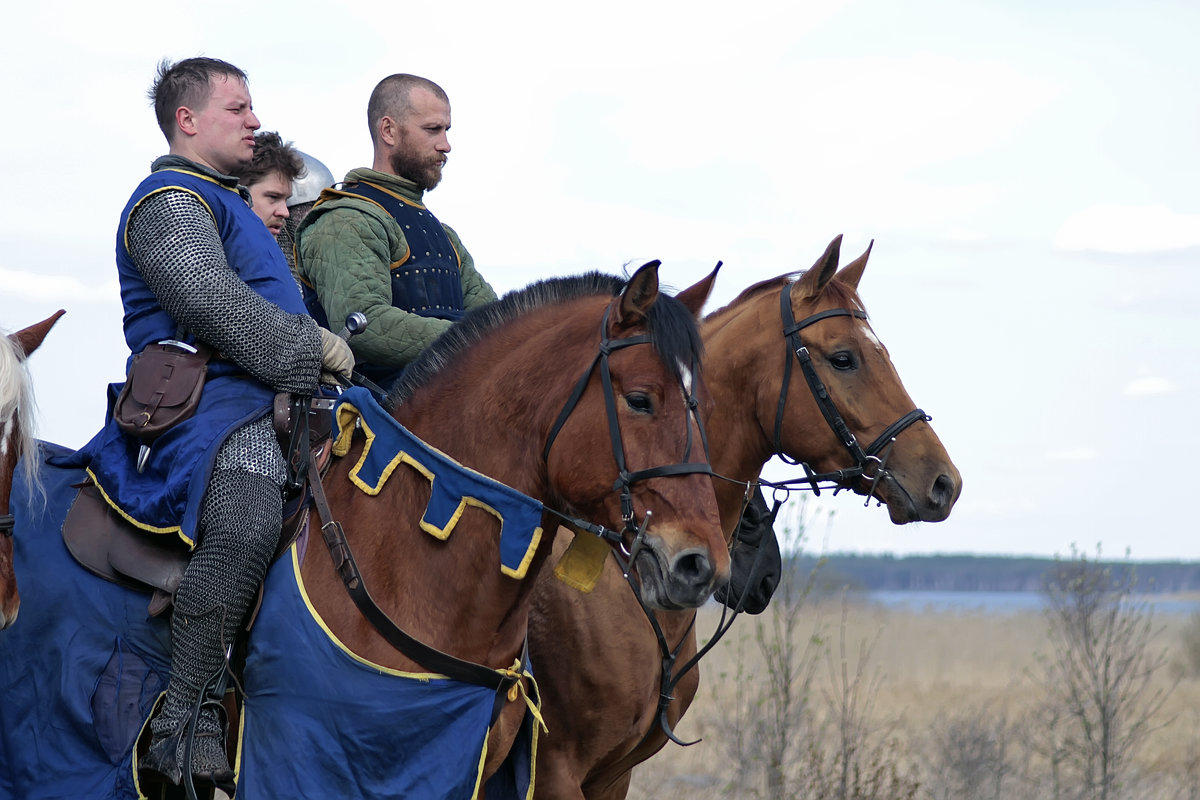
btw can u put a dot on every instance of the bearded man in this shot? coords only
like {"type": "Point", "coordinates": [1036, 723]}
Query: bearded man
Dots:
{"type": "Point", "coordinates": [371, 245]}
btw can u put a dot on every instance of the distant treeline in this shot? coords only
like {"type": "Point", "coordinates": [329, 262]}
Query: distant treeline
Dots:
{"type": "Point", "coordinates": [972, 573]}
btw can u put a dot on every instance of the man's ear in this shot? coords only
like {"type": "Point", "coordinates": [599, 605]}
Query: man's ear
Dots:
{"type": "Point", "coordinates": [185, 121]}
{"type": "Point", "coordinates": [387, 131]}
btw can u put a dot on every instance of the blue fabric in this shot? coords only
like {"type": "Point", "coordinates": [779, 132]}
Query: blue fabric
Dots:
{"type": "Point", "coordinates": [81, 667]}
{"type": "Point", "coordinates": [453, 486]}
{"type": "Point", "coordinates": [361, 731]}
{"type": "Point", "coordinates": [166, 497]}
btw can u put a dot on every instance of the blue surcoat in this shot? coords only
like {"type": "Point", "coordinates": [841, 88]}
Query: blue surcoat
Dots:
{"type": "Point", "coordinates": [166, 496]}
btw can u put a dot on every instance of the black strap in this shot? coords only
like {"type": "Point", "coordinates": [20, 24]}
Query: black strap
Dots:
{"type": "Point", "coordinates": [428, 657]}
{"type": "Point", "coordinates": [7, 523]}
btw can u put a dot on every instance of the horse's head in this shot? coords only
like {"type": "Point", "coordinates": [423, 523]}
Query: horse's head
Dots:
{"type": "Point", "coordinates": [833, 400]}
{"type": "Point", "coordinates": [640, 402]}
{"type": "Point", "coordinates": [16, 437]}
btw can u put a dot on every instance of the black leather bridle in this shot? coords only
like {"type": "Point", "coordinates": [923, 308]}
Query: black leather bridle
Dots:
{"type": "Point", "coordinates": [625, 478]}
{"type": "Point", "coordinates": [7, 523]}
{"type": "Point", "coordinates": [870, 462]}
{"type": "Point", "coordinates": [468, 672]}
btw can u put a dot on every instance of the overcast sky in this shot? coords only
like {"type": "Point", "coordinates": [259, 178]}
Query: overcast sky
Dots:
{"type": "Point", "coordinates": [1027, 170]}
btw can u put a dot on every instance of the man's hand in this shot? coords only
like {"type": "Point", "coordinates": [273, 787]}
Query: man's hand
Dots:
{"type": "Point", "coordinates": [336, 356]}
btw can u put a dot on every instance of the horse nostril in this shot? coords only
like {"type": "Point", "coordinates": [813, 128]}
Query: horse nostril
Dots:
{"type": "Point", "coordinates": [943, 491]}
{"type": "Point", "coordinates": [692, 569]}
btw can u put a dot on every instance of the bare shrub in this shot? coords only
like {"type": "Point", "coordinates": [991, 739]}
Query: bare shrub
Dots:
{"type": "Point", "coordinates": [790, 734]}
{"type": "Point", "coordinates": [1100, 698]}
{"type": "Point", "coordinates": [969, 755]}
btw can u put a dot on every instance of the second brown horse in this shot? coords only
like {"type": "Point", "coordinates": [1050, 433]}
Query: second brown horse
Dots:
{"type": "Point", "coordinates": [596, 658]}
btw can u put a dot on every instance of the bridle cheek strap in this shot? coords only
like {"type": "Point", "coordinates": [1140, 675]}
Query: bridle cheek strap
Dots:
{"type": "Point", "coordinates": [867, 462]}
{"type": "Point", "coordinates": [625, 478]}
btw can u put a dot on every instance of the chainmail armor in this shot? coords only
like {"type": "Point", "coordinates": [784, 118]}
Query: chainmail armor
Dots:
{"type": "Point", "coordinates": [239, 530]}
{"type": "Point", "coordinates": [174, 242]}
{"type": "Point", "coordinates": [253, 448]}
{"type": "Point", "coordinates": [286, 238]}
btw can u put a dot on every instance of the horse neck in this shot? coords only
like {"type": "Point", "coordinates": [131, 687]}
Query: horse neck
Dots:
{"type": "Point", "coordinates": [741, 346]}
{"type": "Point", "coordinates": [490, 413]}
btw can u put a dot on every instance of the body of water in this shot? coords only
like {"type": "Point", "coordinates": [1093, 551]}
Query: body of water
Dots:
{"type": "Point", "coordinates": [1007, 602]}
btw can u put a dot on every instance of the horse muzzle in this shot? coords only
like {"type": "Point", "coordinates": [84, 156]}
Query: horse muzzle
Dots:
{"type": "Point", "coordinates": [675, 581]}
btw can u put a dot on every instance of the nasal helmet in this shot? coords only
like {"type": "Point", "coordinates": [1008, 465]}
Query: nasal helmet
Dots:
{"type": "Point", "coordinates": [308, 185]}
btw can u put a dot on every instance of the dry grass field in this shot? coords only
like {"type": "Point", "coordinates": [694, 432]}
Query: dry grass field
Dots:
{"type": "Point", "coordinates": [951, 703]}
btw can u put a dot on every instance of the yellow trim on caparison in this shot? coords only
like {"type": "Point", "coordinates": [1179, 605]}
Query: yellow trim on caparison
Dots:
{"type": "Point", "coordinates": [424, 677]}
{"type": "Point", "coordinates": [175, 529]}
{"type": "Point", "coordinates": [342, 446]}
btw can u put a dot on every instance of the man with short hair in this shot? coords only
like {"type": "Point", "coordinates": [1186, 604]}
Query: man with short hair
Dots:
{"type": "Point", "coordinates": [276, 164]}
{"type": "Point", "coordinates": [196, 265]}
{"type": "Point", "coordinates": [372, 245]}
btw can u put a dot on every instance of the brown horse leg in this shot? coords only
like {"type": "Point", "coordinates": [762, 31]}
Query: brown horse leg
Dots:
{"type": "Point", "coordinates": [617, 790]}
{"type": "Point", "coordinates": [554, 779]}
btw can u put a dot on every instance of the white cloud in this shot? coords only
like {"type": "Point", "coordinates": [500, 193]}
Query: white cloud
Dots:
{"type": "Point", "coordinates": [1147, 386]}
{"type": "Point", "coordinates": [1129, 229]}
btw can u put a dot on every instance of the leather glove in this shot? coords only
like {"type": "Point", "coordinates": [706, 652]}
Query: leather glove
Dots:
{"type": "Point", "coordinates": [336, 356]}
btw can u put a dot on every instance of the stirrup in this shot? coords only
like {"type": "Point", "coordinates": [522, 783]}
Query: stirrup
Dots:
{"type": "Point", "coordinates": [166, 755]}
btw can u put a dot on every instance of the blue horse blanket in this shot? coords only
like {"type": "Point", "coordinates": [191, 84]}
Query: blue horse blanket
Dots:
{"type": "Point", "coordinates": [83, 665]}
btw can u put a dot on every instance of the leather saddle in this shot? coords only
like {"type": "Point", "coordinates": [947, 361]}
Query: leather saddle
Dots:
{"type": "Point", "coordinates": [108, 545]}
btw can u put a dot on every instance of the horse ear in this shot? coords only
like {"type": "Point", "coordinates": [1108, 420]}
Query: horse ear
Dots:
{"type": "Point", "coordinates": [812, 282]}
{"type": "Point", "coordinates": [639, 295]}
{"type": "Point", "coordinates": [29, 339]}
{"type": "Point", "coordinates": [851, 274]}
{"type": "Point", "coordinates": [694, 297]}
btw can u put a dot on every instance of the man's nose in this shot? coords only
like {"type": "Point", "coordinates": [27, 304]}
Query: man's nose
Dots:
{"type": "Point", "coordinates": [252, 121]}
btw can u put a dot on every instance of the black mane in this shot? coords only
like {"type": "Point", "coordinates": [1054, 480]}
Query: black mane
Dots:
{"type": "Point", "coordinates": [672, 328]}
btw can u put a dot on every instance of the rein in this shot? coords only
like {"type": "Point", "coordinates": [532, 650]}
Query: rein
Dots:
{"type": "Point", "coordinates": [507, 680]}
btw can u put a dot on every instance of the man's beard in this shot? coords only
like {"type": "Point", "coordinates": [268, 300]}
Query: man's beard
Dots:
{"type": "Point", "coordinates": [424, 172]}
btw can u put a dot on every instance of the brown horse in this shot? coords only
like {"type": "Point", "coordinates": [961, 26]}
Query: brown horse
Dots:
{"type": "Point", "coordinates": [580, 394]}
{"type": "Point", "coordinates": [540, 392]}
{"type": "Point", "coordinates": [598, 662]}
{"type": "Point", "coordinates": [16, 438]}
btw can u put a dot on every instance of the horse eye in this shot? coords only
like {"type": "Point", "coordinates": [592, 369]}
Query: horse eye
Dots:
{"type": "Point", "coordinates": [639, 402]}
{"type": "Point", "coordinates": [842, 361]}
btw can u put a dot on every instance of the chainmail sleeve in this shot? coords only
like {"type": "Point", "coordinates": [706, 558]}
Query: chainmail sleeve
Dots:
{"type": "Point", "coordinates": [175, 245]}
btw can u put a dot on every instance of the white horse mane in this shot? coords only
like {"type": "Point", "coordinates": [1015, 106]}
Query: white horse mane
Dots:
{"type": "Point", "coordinates": [16, 395]}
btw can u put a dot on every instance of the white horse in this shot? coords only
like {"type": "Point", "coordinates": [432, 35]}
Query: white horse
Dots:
{"type": "Point", "coordinates": [16, 439]}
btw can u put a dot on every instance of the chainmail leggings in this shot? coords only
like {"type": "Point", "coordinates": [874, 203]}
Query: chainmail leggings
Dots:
{"type": "Point", "coordinates": [240, 525]}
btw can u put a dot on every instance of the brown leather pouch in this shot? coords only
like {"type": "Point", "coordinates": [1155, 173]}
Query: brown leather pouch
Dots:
{"type": "Point", "coordinates": [162, 389]}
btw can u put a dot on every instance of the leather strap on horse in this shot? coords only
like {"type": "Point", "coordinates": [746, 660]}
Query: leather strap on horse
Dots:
{"type": "Point", "coordinates": [7, 523]}
{"type": "Point", "coordinates": [865, 458]}
{"type": "Point", "coordinates": [429, 657]}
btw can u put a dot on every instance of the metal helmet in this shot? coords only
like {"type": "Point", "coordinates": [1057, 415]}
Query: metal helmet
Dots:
{"type": "Point", "coordinates": [308, 185]}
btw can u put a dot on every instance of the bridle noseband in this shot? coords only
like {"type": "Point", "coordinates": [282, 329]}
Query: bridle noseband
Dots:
{"type": "Point", "coordinates": [7, 523]}
{"type": "Point", "coordinates": [625, 478]}
{"type": "Point", "coordinates": [869, 463]}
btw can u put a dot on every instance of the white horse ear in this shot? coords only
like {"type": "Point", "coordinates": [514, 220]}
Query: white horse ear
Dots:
{"type": "Point", "coordinates": [851, 274]}
{"type": "Point", "coordinates": [813, 281]}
